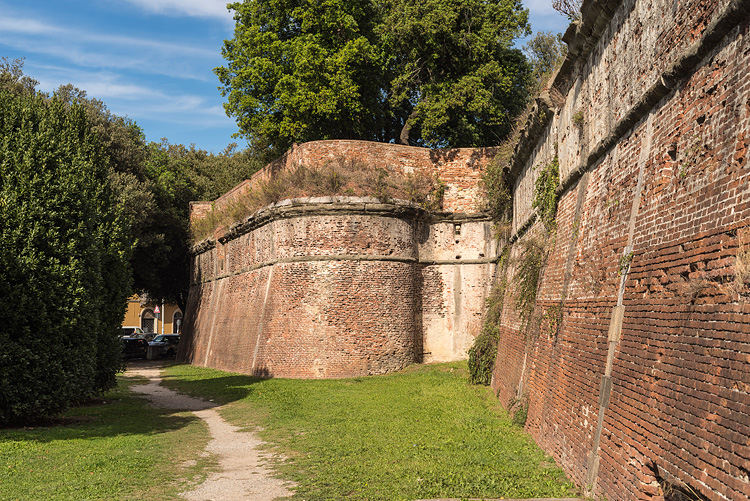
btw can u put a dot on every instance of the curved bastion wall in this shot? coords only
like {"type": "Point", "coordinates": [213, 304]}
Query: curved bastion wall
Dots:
{"type": "Point", "coordinates": [338, 287]}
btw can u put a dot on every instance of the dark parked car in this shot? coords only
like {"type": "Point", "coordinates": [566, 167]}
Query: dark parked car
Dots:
{"type": "Point", "coordinates": [166, 343]}
{"type": "Point", "coordinates": [133, 347]}
{"type": "Point", "coordinates": [148, 336]}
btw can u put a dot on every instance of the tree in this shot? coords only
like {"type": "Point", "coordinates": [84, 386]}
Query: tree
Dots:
{"type": "Point", "coordinates": [568, 8]}
{"type": "Point", "coordinates": [304, 69]}
{"type": "Point", "coordinates": [454, 74]}
{"type": "Point", "coordinates": [155, 184]}
{"type": "Point", "coordinates": [179, 175]}
{"type": "Point", "coordinates": [12, 78]}
{"type": "Point", "coordinates": [64, 275]}
{"type": "Point", "coordinates": [433, 72]}
{"type": "Point", "coordinates": [546, 52]}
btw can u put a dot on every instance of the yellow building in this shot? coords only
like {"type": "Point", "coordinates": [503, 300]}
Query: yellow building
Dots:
{"type": "Point", "coordinates": [151, 317]}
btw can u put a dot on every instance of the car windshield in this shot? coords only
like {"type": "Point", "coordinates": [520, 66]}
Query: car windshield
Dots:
{"type": "Point", "coordinates": [163, 339]}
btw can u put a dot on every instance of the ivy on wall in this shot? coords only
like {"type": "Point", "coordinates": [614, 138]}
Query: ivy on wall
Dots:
{"type": "Point", "coordinates": [483, 352]}
{"type": "Point", "coordinates": [528, 269]}
{"type": "Point", "coordinates": [545, 198]}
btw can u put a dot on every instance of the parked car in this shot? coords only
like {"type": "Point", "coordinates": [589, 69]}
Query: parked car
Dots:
{"type": "Point", "coordinates": [130, 331]}
{"type": "Point", "coordinates": [166, 343]}
{"type": "Point", "coordinates": [148, 336]}
{"type": "Point", "coordinates": [133, 347]}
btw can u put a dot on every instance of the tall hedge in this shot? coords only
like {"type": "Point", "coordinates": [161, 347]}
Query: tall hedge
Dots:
{"type": "Point", "coordinates": [64, 247]}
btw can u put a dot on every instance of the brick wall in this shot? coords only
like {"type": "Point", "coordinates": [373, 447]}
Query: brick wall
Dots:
{"type": "Point", "coordinates": [338, 287]}
{"type": "Point", "coordinates": [647, 380]}
{"type": "Point", "coordinates": [459, 168]}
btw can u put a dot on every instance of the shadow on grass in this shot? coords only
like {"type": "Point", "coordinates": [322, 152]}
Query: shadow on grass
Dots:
{"type": "Point", "coordinates": [221, 387]}
{"type": "Point", "coordinates": [123, 416]}
{"type": "Point", "coordinates": [116, 413]}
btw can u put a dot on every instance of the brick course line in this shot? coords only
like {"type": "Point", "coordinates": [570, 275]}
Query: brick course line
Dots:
{"type": "Point", "coordinates": [349, 257]}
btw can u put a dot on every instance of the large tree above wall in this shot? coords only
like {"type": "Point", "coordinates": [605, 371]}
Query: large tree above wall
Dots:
{"type": "Point", "coordinates": [434, 73]}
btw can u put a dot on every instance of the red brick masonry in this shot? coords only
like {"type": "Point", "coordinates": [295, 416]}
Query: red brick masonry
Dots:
{"type": "Point", "coordinates": [338, 287]}
{"type": "Point", "coordinates": [645, 385]}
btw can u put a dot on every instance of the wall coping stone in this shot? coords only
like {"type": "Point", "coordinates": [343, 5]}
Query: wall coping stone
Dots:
{"type": "Point", "coordinates": [334, 205]}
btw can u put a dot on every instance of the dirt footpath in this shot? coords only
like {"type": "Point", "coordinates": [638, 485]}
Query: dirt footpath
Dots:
{"type": "Point", "coordinates": [242, 474]}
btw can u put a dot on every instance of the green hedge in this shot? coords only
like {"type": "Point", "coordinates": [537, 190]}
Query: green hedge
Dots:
{"type": "Point", "coordinates": [64, 247]}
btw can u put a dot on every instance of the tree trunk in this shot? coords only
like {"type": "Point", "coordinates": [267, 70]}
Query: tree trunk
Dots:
{"type": "Point", "coordinates": [404, 137]}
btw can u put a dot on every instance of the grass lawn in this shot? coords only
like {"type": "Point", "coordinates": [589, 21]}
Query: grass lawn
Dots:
{"type": "Point", "coordinates": [421, 433]}
{"type": "Point", "coordinates": [120, 448]}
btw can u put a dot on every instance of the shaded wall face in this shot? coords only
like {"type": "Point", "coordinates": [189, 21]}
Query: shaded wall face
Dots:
{"type": "Point", "coordinates": [655, 230]}
{"type": "Point", "coordinates": [458, 266]}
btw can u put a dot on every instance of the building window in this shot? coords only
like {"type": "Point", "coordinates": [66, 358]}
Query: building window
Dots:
{"type": "Point", "coordinates": [147, 320]}
{"type": "Point", "coordinates": [177, 322]}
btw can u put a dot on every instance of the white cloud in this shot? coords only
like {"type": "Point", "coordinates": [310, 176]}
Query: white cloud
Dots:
{"type": "Point", "coordinates": [98, 50]}
{"type": "Point", "coordinates": [27, 26]}
{"type": "Point", "coordinates": [22, 26]}
{"type": "Point", "coordinates": [136, 101]}
{"type": "Point", "coordinates": [194, 8]}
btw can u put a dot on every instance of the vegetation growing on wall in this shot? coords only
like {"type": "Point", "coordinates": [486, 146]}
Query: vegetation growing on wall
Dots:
{"type": "Point", "coordinates": [551, 320]}
{"type": "Point", "coordinates": [528, 269]}
{"type": "Point", "coordinates": [518, 407]}
{"type": "Point", "coordinates": [528, 274]}
{"type": "Point", "coordinates": [483, 352]}
{"type": "Point", "coordinates": [545, 198]}
{"type": "Point", "coordinates": [342, 177]}
{"type": "Point", "coordinates": [495, 185]}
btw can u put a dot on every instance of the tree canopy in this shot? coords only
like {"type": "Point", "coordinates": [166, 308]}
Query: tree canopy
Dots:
{"type": "Point", "coordinates": [155, 184]}
{"type": "Point", "coordinates": [430, 72]}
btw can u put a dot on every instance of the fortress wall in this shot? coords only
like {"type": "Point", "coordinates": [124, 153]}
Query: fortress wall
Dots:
{"type": "Point", "coordinates": [458, 264]}
{"type": "Point", "coordinates": [338, 287]}
{"type": "Point", "coordinates": [646, 381]}
{"type": "Point", "coordinates": [460, 168]}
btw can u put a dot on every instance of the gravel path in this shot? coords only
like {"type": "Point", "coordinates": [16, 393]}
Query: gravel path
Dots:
{"type": "Point", "coordinates": [242, 473]}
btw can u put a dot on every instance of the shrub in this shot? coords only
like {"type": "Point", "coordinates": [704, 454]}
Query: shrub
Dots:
{"type": "Point", "coordinates": [545, 197]}
{"type": "Point", "coordinates": [482, 355]}
{"type": "Point", "coordinates": [63, 254]}
{"type": "Point", "coordinates": [528, 274]}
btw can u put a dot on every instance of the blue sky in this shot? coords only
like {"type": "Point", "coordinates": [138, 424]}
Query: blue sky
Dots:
{"type": "Point", "coordinates": [150, 60]}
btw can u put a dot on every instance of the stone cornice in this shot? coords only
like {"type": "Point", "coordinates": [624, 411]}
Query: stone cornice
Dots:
{"type": "Point", "coordinates": [338, 206]}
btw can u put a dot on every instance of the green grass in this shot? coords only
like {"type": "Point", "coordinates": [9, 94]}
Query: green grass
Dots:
{"type": "Point", "coordinates": [119, 448]}
{"type": "Point", "coordinates": [421, 433]}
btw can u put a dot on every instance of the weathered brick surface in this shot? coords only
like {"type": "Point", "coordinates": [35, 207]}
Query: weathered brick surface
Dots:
{"type": "Point", "coordinates": [679, 406]}
{"type": "Point", "coordinates": [459, 168]}
{"type": "Point", "coordinates": [652, 221]}
{"type": "Point", "coordinates": [338, 287]}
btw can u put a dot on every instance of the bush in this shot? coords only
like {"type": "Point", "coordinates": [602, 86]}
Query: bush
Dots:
{"type": "Point", "coordinates": [63, 253]}
{"type": "Point", "coordinates": [482, 355]}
